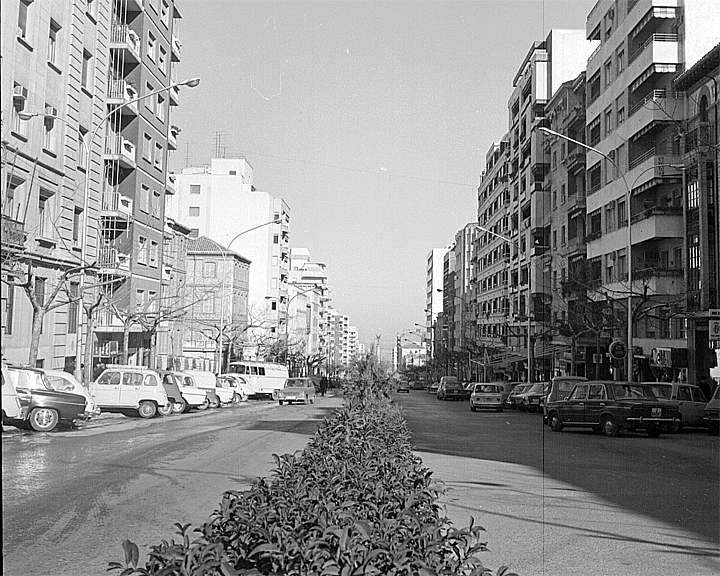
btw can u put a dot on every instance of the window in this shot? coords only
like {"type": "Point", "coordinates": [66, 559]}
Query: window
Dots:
{"type": "Point", "coordinates": [562, 235]}
{"type": "Point", "coordinates": [194, 211]}
{"type": "Point", "coordinates": [140, 299]}
{"type": "Point", "coordinates": [162, 61]}
{"type": "Point", "coordinates": [151, 46]}
{"type": "Point", "coordinates": [158, 156]}
{"type": "Point", "coordinates": [608, 121]}
{"type": "Point", "coordinates": [554, 159]}
{"type": "Point", "coordinates": [20, 93]}
{"type": "Point", "coordinates": [276, 239]}
{"type": "Point", "coordinates": [563, 193]}
{"type": "Point", "coordinates": [208, 305]}
{"type": "Point", "coordinates": [52, 41]}
{"type": "Point", "coordinates": [44, 216]}
{"type": "Point", "coordinates": [145, 199]}
{"type": "Point", "coordinates": [73, 292]}
{"type": "Point", "coordinates": [621, 217]}
{"type": "Point", "coordinates": [147, 147]}
{"type": "Point", "coordinates": [86, 77]}
{"type": "Point", "coordinates": [92, 9]}
{"type": "Point", "coordinates": [554, 239]}
{"type": "Point", "coordinates": [620, 61]}
{"type": "Point", "coordinates": [77, 213]}
{"type": "Point", "coordinates": [194, 188]}
{"type": "Point", "coordinates": [622, 265]}
{"type": "Point", "coordinates": [9, 309]}
{"type": "Point", "coordinates": [22, 18]}
{"type": "Point", "coordinates": [152, 300]}
{"type": "Point", "coordinates": [610, 217]}
{"type": "Point", "coordinates": [209, 269]}
{"type": "Point", "coordinates": [82, 150]}
{"type": "Point", "coordinates": [142, 250]}
{"type": "Point", "coordinates": [156, 204]}
{"type": "Point", "coordinates": [149, 102]}
{"type": "Point", "coordinates": [165, 13]}
{"type": "Point", "coordinates": [594, 131]}
{"type": "Point", "coordinates": [594, 178]}
{"type": "Point", "coordinates": [49, 129]}
{"type": "Point", "coordinates": [554, 198]}
{"type": "Point", "coordinates": [153, 254]}
{"type": "Point", "coordinates": [608, 73]}
{"type": "Point", "coordinates": [693, 195]}
{"type": "Point", "coordinates": [160, 109]}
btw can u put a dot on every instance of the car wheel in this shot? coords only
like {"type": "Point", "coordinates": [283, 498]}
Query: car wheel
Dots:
{"type": "Point", "coordinates": [214, 403]}
{"type": "Point", "coordinates": [180, 407]}
{"type": "Point", "coordinates": [236, 399]}
{"type": "Point", "coordinates": [472, 407]}
{"type": "Point", "coordinates": [280, 402]}
{"type": "Point", "coordinates": [204, 405]}
{"type": "Point", "coordinates": [609, 426]}
{"type": "Point", "coordinates": [500, 409]}
{"type": "Point", "coordinates": [147, 409]}
{"type": "Point", "coordinates": [653, 431]}
{"type": "Point", "coordinates": [555, 424]}
{"type": "Point", "coordinates": [676, 426]}
{"type": "Point", "coordinates": [165, 410]}
{"type": "Point", "coordinates": [43, 419]}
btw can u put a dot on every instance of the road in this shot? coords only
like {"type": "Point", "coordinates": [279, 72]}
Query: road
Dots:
{"type": "Point", "coordinates": [69, 498]}
{"type": "Point", "coordinates": [574, 502]}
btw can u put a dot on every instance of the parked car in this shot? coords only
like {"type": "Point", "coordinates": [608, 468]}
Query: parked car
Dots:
{"type": "Point", "coordinates": [296, 390]}
{"type": "Point", "coordinates": [241, 387]}
{"type": "Point", "coordinates": [510, 401]}
{"type": "Point", "coordinates": [403, 385]}
{"type": "Point", "coordinates": [66, 382]}
{"type": "Point", "coordinates": [433, 388]}
{"type": "Point", "coordinates": [611, 406]}
{"type": "Point", "coordinates": [194, 397]}
{"type": "Point", "coordinates": [690, 400]}
{"type": "Point", "coordinates": [451, 389]}
{"type": "Point", "coordinates": [531, 399]}
{"type": "Point", "coordinates": [505, 389]}
{"type": "Point", "coordinates": [485, 396]}
{"type": "Point", "coordinates": [560, 388]}
{"type": "Point", "coordinates": [178, 404]}
{"type": "Point", "coordinates": [209, 381]}
{"type": "Point", "coordinates": [11, 407]}
{"type": "Point", "coordinates": [42, 408]}
{"type": "Point", "coordinates": [712, 413]}
{"type": "Point", "coordinates": [125, 389]}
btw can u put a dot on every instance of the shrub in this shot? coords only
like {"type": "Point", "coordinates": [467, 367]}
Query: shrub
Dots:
{"type": "Point", "coordinates": [355, 501]}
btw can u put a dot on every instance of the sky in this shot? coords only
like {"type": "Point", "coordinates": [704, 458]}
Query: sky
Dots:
{"type": "Point", "coordinates": [371, 120]}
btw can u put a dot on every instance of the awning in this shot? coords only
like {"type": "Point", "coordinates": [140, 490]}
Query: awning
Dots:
{"type": "Point", "coordinates": [545, 350]}
{"type": "Point", "coordinates": [659, 68]}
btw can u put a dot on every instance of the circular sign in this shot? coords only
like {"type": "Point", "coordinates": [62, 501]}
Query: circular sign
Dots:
{"type": "Point", "coordinates": [617, 350]}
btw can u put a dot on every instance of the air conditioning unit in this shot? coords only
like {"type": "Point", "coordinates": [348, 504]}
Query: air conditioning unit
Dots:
{"type": "Point", "coordinates": [20, 92]}
{"type": "Point", "coordinates": [50, 111]}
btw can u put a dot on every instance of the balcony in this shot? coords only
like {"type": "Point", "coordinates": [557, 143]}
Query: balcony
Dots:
{"type": "Point", "coordinates": [13, 235]}
{"type": "Point", "coordinates": [112, 262]}
{"type": "Point", "coordinates": [121, 150]}
{"type": "Point", "coordinates": [653, 111]}
{"type": "Point", "coordinates": [120, 94]}
{"type": "Point", "coordinates": [658, 280]}
{"type": "Point", "coordinates": [657, 223]}
{"type": "Point", "coordinates": [176, 48]}
{"type": "Point", "coordinates": [656, 163]}
{"type": "Point", "coordinates": [575, 160]}
{"type": "Point", "coordinates": [170, 184]}
{"type": "Point", "coordinates": [126, 41]}
{"type": "Point", "coordinates": [115, 205]}
{"type": "Point", "coordinates": [576, 202]}
{"type": "Point", "coordinates": [659, 54]}
{"type": "Point", "coordinates": [174, 94]}
{"type": "Point", "coordinates": [172, 137]}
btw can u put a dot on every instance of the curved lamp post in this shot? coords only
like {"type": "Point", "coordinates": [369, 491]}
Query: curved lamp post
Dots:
{"type": "Point", "coordinates": [84, 378]}
{"type": "Point", "coordinates": [630, 347]}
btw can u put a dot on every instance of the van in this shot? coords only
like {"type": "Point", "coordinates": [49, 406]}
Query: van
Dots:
{"type": "Point", "coordinates": [122, 388]}
{"type": "Point", "coordinates": [209, 381]}
{"type": "Point", "coordinates": [263, 378]}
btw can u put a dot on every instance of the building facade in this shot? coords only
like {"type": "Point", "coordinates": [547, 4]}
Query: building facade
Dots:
{"type": "Point", "coordinates": [433, 296]}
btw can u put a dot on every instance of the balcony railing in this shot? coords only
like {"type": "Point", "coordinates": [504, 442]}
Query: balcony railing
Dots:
{"type": "Point", "coordinates": [109, 257]}
{"type": "Point", "coordinates": [123, 34]}
{"type": "Point", "coordinates": [652, 97]}
{"type": "Point", "coordinates": [13, 234]}
{"type": "Point", "coordinates": [649, 41]}
{"type": "Point", "coordinates": [640, 159]}
{"type": "Point", "coordinates": [657, 211]}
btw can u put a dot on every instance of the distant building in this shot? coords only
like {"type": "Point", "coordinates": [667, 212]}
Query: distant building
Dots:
{"type": "Point", "coordinates": [433, 296]}
{"type": "Point", "coordinates": [219, 201]}
{"type": "Point", "coordinates": [217, 297]}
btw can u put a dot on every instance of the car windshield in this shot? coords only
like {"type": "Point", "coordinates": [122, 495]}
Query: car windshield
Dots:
{"type": "Point", "coordinates": [662, 392]}
{"type": "Point", "coordinates": [293, 382]}
{"type": "Point", "coordinates": [487, 389]}
{"type": "Point", "coordinates": [30, 380]}
{"type": "Point", "coordinates": [628, 391]}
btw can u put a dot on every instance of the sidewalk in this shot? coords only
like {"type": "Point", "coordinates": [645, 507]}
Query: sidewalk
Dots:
{"type": "Point", "coordinates": [542, 527]}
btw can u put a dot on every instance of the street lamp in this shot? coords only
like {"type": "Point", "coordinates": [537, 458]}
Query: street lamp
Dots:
{"type": "Point", "coordinates": [87, 144]}
{"type": "Point", "coordinates": [222, 288]}
{"type": "Point", "coordinates": [630, 348]}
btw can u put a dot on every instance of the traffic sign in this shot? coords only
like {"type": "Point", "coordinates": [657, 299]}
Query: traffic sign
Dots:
{"type": "Point", "coordinates": [714, 329]}
{"type": "Point", "coordinates": [617, 350]}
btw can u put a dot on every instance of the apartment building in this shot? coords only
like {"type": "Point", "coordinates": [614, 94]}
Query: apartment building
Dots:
{"type": "Point", "coordinates": [216, 297]}
{"type": "Point", "coordinates": [220, 201]}
{"type": "Point", "coordinates": [54, 78]}
{"type": "Point", "coordinates": [461, 309]}
{"type": "Point", "coordinates": [338, 349]}
{"type": "Point", "coordinates": [636, 172]}
{"type": "Point", "coordinates": [699, 146]}
{"type": "Point", "coordinates": [433, 296]}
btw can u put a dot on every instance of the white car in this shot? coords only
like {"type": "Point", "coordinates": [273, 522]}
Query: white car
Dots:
{"type": "Point", "coordinates": [487, 396]}
{"type": "Point", "coordinates": [11, 407]}
{"type": "Point", "coordinates": [241, 387]}
{"type": "Point", "coordinates": [66, 382]}
{"type": "Point", "coordinates": [123, 388]}
{"type": "Point", "coordinates": [194, 397]}
{"type": "Point", "coordinates": [205, 379]}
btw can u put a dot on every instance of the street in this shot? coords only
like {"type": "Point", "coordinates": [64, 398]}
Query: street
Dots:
{"type": "Point", "coordinates": [71, 497]}
{"type": "Point", "coordinates": [552, 502]}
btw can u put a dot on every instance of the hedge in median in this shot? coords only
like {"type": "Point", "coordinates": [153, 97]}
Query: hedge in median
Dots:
{"type": "Point", "coordinates": [355, 501]}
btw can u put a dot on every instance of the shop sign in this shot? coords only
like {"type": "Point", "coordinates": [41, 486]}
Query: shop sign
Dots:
{"type": "Point", "coordinates": [617, 350]}
{"type": "Point", "coordinates": [661, 357]}
{"type": "Point", "coordinates": [714, 329]}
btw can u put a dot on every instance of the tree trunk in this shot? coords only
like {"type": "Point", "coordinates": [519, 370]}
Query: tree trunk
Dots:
{"type": "Point", "coordinates": [573, 354]}
{"type": "Point", "coordinates": [153, 348]}
{"type": "Point", "coordinates": [37, 322]}
{"type": "Point", "coordinates": [597, 351]}
{"type": "Point", "coordinates": [126, 341]}
{"type": "Point", "coordinates": [89, 370]}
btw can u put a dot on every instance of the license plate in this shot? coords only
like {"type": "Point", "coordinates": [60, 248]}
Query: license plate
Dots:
{"type": "Point", "coordinates": [656, 412]}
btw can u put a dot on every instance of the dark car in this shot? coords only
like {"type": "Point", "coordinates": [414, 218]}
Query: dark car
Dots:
{"type": "Point", "coordinates": [403, 386]}
{"type": "Point", "coordinates": [178, 405]}
{"type": "Point", "coordinates": [608, 407]}
{"type": "Point", "coordinates": [43, 407]}
{"type": "Point", "coordinates": [452, 389]}
{"type": "Point", "coordinates": [560, 388]}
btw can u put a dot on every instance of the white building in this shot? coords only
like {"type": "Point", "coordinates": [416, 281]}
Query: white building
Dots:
{"type": "Point", "coordinates": [219, 201]}
{"type": "Point", "coordinates": [433, 292]}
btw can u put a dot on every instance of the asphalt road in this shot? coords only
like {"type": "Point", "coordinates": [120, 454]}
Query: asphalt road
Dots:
{"type": "Point", "coordinates": [630, 495]}
{"type": "Point", "coordinates": [69, 498]}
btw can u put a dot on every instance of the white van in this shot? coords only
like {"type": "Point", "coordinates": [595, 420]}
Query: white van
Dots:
{"type": "Point", "coordinates": [122, 388]}
{"type": "Point", "coordinates": [208, 380]}
{"type": "Point", "coordinates": [263, 378]}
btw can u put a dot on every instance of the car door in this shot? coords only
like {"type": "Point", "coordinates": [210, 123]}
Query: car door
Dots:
{"type": "Point", "coordinates": [694, 409]}
{"type": "Point", "coordinates": [574, 408]}
{"type": "Point", "coordinates": [595, 403]}
{"type": "Point", "coordinates": [106, 389]}
{"type": "Point", "coordinates": [131, 389]}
